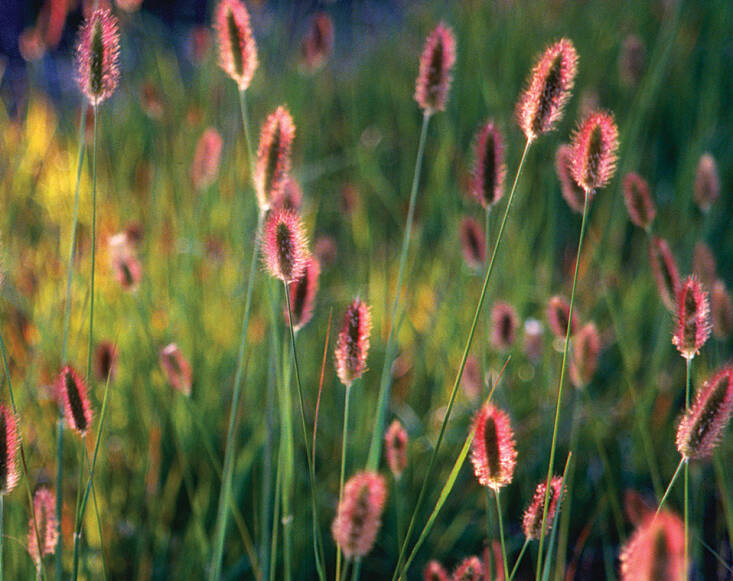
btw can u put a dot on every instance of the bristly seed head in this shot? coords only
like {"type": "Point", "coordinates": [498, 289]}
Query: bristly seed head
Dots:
{"type": "Point", "coordinates": [434, 571]}
{"type": "Point", "coordinates": [176, 367]}
{"type": "Point", "coordinates": [638, 201]}
{"type": "Point", "coordinates": [284, 246]}
{"type": "Point", "coordinates": [395, 445]}
{"type": "Point", "coordinates": [97, 53]}
{"type": "Point", "coordinates": [504, 323]}
{"type": "Point", "coordinates": [105, 361]}
{"type": "Point", "coordinates": [205, 165]}
{"type": "Point", "coordinates": [493, 453]}
{"type": "Point", "coordinates": [707, 182]}
{"type": "Point", "coordinates": [436, 62]}
{"type": "Point", "coordinates": [541, 104]}
{"type": "Point", "coordinates": [237, 48]}
{"type": "Point", "coordinates": [470, 569]}
{"type": "Point", "coordinates": [359, 514]}
{"type": "Point", "coordinates": [594, 151]}
{"type": "Point", "coordinates": [303, 294]}
{"type": "Point", "coordinates": [655, 552]}
{"type": "Point", "coordinates": [44, 509]}
{"type": "Point", "coordinates": [586, 347]}
{"type": "Point", "coordinates": [273, 156]}
{"type": "Point", "coordinates": [489, 169]}
{"type": "Point", "coordinates": [9, 441]}
{"type": "Point", "coordinates": [352, 345]}
{"type": "Point", "coordinates": [665, 271]}
{"type": "Point", "coordinates": [573, 194]}
{"type": "Point", "coordinates": [700, 428]}
{"type": "Point", "coordinates": [558, 313]}
{"type": "Point", "coordinates": [693, 318]}
{"type": "Point", "coordinates": [473, 243]}
{"type": "Point", "coordinates": [73, 392]}
{"type": "Point", "coordinates": [532, 520]}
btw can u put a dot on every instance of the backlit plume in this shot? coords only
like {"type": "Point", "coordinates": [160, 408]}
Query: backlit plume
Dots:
{"type": "Point", "coordinates": [493, 453]}
{"type": "Point", "coordinates": [664, 268]}
{"type": "Point", "coordinates": [303, 294]}
{"type": "Point", "coordinates": [73, 392]}
{"type": "Point", "coordinates": [638, 201]}
{"type": "Point", "coordinates": [352, 345]}
{"type": "Point", "coordinates": [436, 62]}
{"type": "Point", "coordinates": [395, 445]}
{"type": "Point", "coordinates": [693, 318]}
{"type": "Point", "coordinates": [284, 245]}
{"type": "Point", "coordinates": [44, 508]}
{"type": "Point", "coordinates": [237, 48]}
{"type": "Point", "coordinates": [470, 569]}
{"type": "Point", "coordinates": [8, 451]}
{"type": "Point", "coordinates": [359, 514]}
{"type": "Point", "coordinates": [595, 143]}
{"type": "Point", "coordinates": [273, 156]}
{"type": "Point", "coordinates": [573, 194]}
{"type": "Point", "coordinates": [489, 169]}
{"type": "Point", "coordinates": [532, 520]}
{"type": "Point", "coordinates": [473, 243]}
{"type": "Point", "coordinates": [655, 552]}
{"type": "Point", "coordinates": [97, 53]}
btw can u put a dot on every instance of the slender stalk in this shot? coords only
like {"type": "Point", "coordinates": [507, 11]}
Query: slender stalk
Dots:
{"type": "Point", "coordinates": [94, 247]}
{"type": "Point", "coordinates": [245, 125]}
{"type": "Point", "coordinates": [551, 464]}
{"type": "Point", "coordinates": [519, 560]}
{"type": "Point", "coordinates": [688, 362]}
{"type": "Point", "coordinates": [462, 365]}
{"type": "Point", "coordinates": [344, 437]}
{"type": "Point", "coordinates": [501, 535]}
{"type": "Point", "coordinates": [2, 570]}
{"type": "Point", "coordinates": [375, 449]}
{"type": "Point", "coordinates": [77, 511]}
{"type": "Point", "coordinates": [671, 483]}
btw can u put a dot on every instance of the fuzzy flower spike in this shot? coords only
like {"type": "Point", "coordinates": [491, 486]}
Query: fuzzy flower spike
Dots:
{"type": "Point", "coordinates": [493, 453]}
{"type": "Point", "coordinates": [44, 508]}
{"type": "Point", "coordinates": [532, 520]}
{"type": "Point", "coordinates": [284, 246]}
{"type": "Point", "coordinates": [693, 318]}
{"type": "Point", "coordinates": [97, 53]}
{"type": "Point", "coordinates": [73, 392]}
{"type": "Point", "coordinates": [352, 345]}
{"type": "Point", "coordinates": [489, 170]}
{"type": "Point", "coordinates": [593, 160]}
{"type": "Point", "coordinates": [655, 550]}
{"type": "Point", "coordinates": [359, 514]}
{"type": "Point", "coordinates": [437, 60]}
{"type": "Point", "coordinates": [273, 157]}
{"type": "Point", "coordinates": [8, 451]}
{"type": "Point", "coordinates": [303, 294]}
{"type": "Point", "coordinates": [237, 48]}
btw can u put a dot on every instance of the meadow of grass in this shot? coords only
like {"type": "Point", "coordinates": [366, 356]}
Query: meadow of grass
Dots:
{"type": "Point", "coordinates": [152, 511]}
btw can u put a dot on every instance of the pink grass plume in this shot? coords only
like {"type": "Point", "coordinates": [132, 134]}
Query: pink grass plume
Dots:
{"type": "Point", "coordinates": [586, 348]}
{"type": "Point", "coordinates": [489, 167]}
{"type": "Point", "coordinates": [205, 165]}
{"type": "Point", "coordinates": [434, 571]}
{"type": "Point", "coordinates": [352, 344]}
{"type": "Point", "coordinates": [504, 324]}
{"type": "Point", "coordinates": [693, 318]}
{"type": "Point", "coordinates": [105, 361]}
{"type": "Point", "coordinates": [359, 514]}
{"type": "Point", "coordinates": [97, 55]}
{"type": "Point", "coordinates": [493, 452]}
{"type": "Point", "coordinates": [9, 443]}
{"type": "Point", "coordinates": [572, 193]}
{"type": "Point", "coordinates": [237, 48]}
{"type": "Point", "coordinates": [664, 268]}
{"type": "Point", "coordinates": [532, 519]}
{"type": "Point", "coordinates": [284, 245]}
{"type": "Point", "coordinates": [317, 44]}
{"type": "Point", "coordinates": [303, 294]}
{"type": "Point", "coordinates": [395, 446]}
{"type": "Point", "coordinates": [707, 182]}
{"type": "Point", "coordinates": [44, 509]}
{"type": "Point", "coordinates": [558, 312]}
{"type": "Point", "coordinates": [436, 63]}
{"type": "Point", "coordinates": [176, 367]}
{"type": "Point", "coordinates": [470, 569]}
{"type": "Point", "coordinates": [72, 392]}
{"type": "Point", "coordinates": [595, 143]}
{"type": "Point", "coordinates": [473, 243]}
{"type": "Point", "coordinates": [273, 156]}
{"type": "Point", "coordinates": [656, 550]}
{"type": "Point", "coordinates": [638, 201]}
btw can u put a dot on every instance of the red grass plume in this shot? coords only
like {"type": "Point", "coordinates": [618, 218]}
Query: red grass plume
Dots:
{"type": "Point", "coordinates": [290, 196]}
{"type": "Point", "coordinates": [395, 446]}
{"type": "Point", "coordinates": [44, 509]}
{"type": "Point", "coordinates": [532, 520]}
{"type": "Point", "coordinates": [434, 571]}
{"type": "Point", "coordinates": [693, 318]}
{"type": "Point", "coordinates": [176, 368]}
{"type": "Point", "coordinates": [9, 442]}
{"type": "Point", "coordinates": [573, 194]}
{"type": "Point", "coordinates": [205, 165]}
{"type": "Point", "coordinates": [707, 182]}
{"type": "Point", "coordinates": [493, 453]}
{"type": "Point", "coordinates": [303, 294]}
{"type": "Point", "coordinates": [504, 323]}
{"type": "Point", "coordinates": [352, 344]}
{"type": "Point", "coordinates": [97, 53]}
{"type": "Point", "coordinates": [595, 144]}
{"type": "Point", "coordinates": [665, 271]}
{"type": "Point", "coordinates": [638, 201]}
{"type": "Point", "coordinates": [489, 168]}
{"type": "Point", "coordinates": [284, 246]}
{"type": "Point", "coordinates": [437, 60]}
{"type": "Point", "coordinates": [700, 428]}
{"type": "Point", "coordinates": [73, 392]}
{"type": "Point", "coordinates": [237, 48]}
{"type": "Point", "coordinates": [359, 514]}
{"type": "Point", "coordinates": [473, 243]}
{"type": "Point", "coordinates": [541, 104]}
{"type": "Point", "coordinates": [470, 569]}
{"type": "Point", "coordinates": [721, 310]}
{"type": "Point", "coordinates": [105, 361]}
{"type": "Point", "coordinates": [586, 348]}
{"type": "Point", "coordinates": [273, 156]}
{"type": "Point", "coordinates": [655, 552]}
{"type": "Point", "coordinates": [317, 44]}
{"type": "Point", "coordinates": [558, 313]}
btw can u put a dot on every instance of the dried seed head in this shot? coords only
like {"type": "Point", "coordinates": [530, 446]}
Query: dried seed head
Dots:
{"type": "Point", "coordinates": [707, 183]}
{"type": "Point", "coordinates": [541, 104]}
{"type": "Point", "coordinates": [558, 313]}
{"type": "Point", "coordinates": [632, 60]}
{"type": "Point", "coordinates": [317, 44]}
{"type": "Point", "coordinates": [284, 246]}
{"type": "Point", "coordinates": [97, 53]}
{"type": "Point", "coordinates": [359, 514]}
{"type": "Point", "coordinates": [504, 322]}
{"type": "Point", "coordinates": [492, 451]}
{"type": "Point", "coordinates": [105, 361]}
{"type": "Point", "coordinates": [489, 169]}
{"type": "Point", "coordinates": [470, 569]}
{"type": "Point", "coordinates": [721, 309]}
{"type": "Point", "coordinates": [533, 339]}
{"type": "Point", "coordinates": [473, 243]}
{"type": "Point", "coordinates": [703, 264]}
{"type": "Point", "coordinates": [176, 367]}
{"type": "Point", "coordinates": [205, 165]}
{"type": "Point", "coordinates": [586, 347]}
{"type": "Point", "coordinates": [273, 156]}
{"type": "Point", "coordinates": [8, 450]}
{"type": "Point", "coordinates": [700, 428]}
{"type": "Point", "coordinates": [532, 520]}
{"type": "Point", "coordinates": [290, 196]}
{"type": "Point", "coordinates": [594, 151]}
{"type": "Point", "coordinates": [693, 318]}
{"type": "Point", "coordinates": [303, 294]}
{"type": "Point", "coordinates": [638, 201]}
{"type": "Point", "coordinates": [655, 552]}
{"type": "Point", "coordinates": [665, 271]}
{"type": "Point", "coordinates": [574, 195]}
{"type": "Point", "coordinates": [73, 392]}
{"type": "Point", "coordinates": [395, 445]}
{"type": "Point", "coordinates": [352, 345]}
{"type": "Point", "coordinates": [44, 509]}
{"type": "Point", "coordinates": [437, 60]}
{"type": "Point", "coordinates": [237, 49]}
{"type": "Point", "coordinates": [434, 571]}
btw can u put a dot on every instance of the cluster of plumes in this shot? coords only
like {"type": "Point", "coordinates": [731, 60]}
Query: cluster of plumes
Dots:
{"type": "Point", "coordinates": [655, 550]}
{"type": "Point", "coordinates": [285, 245]}
{"type": "Point", "coordinates": [359, 514]}
{"type": "Point", "coordinates": [493, 452]}
{"type": "Point", "coordinates": [317, 44]}
{"type": "Point", "coordinates": [664, 268]}
{"type": "Point", "coordinates": [532, 519]}
{"type": "Point", "coordinates": [573, 194]}
{"type": "Point", "coordinates": [303, 294]}
{"type": "Point", "coordinates": [395, 446]}
{"type": "Point", "coordinates": [9, 442]}
{"type": "Point", "coordinates": [44, 527]}
{"type": "Point", "coordinates": [473, 243]}
{"type": "Point", "coordinates": [176, 368]}
{"type": "Point", "coordinates": [489, 168]}
{"type": "Point", "coordinates": [701, 426]}
{"type": "Point", "coordinates": [586, 348]}
{"type": "Point", "coordinates": [97, 53]}
{"type": "Point", "coordinates": [123, 261]}
{"type": "Point", "coordinates": [273, 156]}
{"type": "Point", "coordinates": [632, 60]}
{"type": "Point", "coordinates": [72, 391]}
{"type": "Point", "coordinates": [352, 344]}
{"type": "Point", "coordinates": [707, 182]}
{"type": "Point", "coordinates": [470, 569]}
{"type": "Point", "coordinates": [504, 324]}
{"type": "Point", "coordinates": [558, 315]}
{"type": "Point", "coordinates": [436, 62]}
{"type": "Point", "coordinates": [693, 318]}
{"type": "Point", "coordinates": [237, 48]}
{"type": "Point", "coordinates": [105, 361]}
{"type": "Point", "coordinates": [593, 158]}
{"type": "Point", "coordinates": [638, 201]}
{"type": "Point", "coordinates": [205, 165]}
{"type": "Point", "coordinates": [541, 104]}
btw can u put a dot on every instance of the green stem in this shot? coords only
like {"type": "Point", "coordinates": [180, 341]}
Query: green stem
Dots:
{"type": "Point", "coordinates": [671, 483]}
{"type": "Point", "coordinates": [245, 125]}
{"type": "Point", "coordinates": [688, 365]}
{"type": "Point", "coordinates": [344, 437]}
{"type": "Point", "coordinates": [94, 248]}
{"type": "Point", "coordinates": [467, 348]}
{"type": "Point", "coordinates": [375, 449]}
{"type": "Point", "coordinates": [2, 570]}
{"type": "Point", "coordinates": [519, 560]}
{"type": "Point", "coordinates": [551, 464]}
{"type": "Point", "coordinates": [501, 535]}
{"type": "Point", "coordinates": [77, 521]}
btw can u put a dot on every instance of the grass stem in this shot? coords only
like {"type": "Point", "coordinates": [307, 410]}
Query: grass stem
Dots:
{"type": "Point", "coordinates": [344, 436]}
{"type": "Point", "coordinates": [501, 535]}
